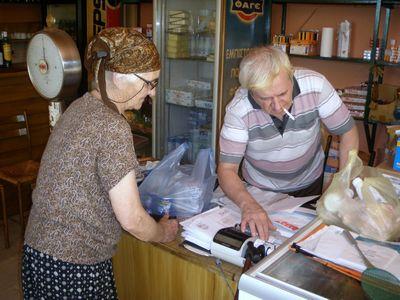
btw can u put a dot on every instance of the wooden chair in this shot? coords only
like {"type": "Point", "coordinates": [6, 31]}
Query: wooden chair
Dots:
{"type": "Point", "coordinates": [15, 141]}
{"type": "Point", "coordinates": [5, 220]}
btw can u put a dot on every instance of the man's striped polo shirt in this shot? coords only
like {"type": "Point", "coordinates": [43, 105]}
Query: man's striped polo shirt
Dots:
{"type": "Point", "coordinates": [294, 159]}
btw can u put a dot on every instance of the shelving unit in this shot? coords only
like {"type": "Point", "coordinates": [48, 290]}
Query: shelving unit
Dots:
{"type": "Point", "coordinates": [370, 126]}
{"type": "Point", "coordinates": [334, 58]}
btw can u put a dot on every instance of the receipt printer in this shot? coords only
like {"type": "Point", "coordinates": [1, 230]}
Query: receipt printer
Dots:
{"type": "Point", "coordinates": [232, 245]}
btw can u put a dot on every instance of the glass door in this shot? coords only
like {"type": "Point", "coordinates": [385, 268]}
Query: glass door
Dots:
{"type": "Point", "coordinates": [185, 34]}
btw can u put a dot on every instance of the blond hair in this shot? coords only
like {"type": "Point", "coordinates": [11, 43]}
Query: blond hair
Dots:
{"type": "Point", "coordinates": [261, 66]}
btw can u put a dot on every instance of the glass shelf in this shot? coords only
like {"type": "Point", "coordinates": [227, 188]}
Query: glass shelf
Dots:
{"type": "Point", "coordinates": [334, 58]}
{"type": "Point", "coordinates": [195, 58]}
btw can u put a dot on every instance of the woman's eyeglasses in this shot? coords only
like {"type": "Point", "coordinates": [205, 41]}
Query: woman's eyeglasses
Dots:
{"type": "Point", "coordinates": [151, 84]}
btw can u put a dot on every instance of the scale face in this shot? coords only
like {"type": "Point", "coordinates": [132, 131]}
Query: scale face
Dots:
{"type": "Point", "coordinates": [54, 64]}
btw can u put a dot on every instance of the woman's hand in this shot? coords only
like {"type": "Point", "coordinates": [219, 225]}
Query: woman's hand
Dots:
{"type": "Point", "coordinates": [170, 228]}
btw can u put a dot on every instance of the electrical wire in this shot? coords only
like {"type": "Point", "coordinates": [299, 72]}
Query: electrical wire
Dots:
{"type": "Point", "coordinates": [218, 263]}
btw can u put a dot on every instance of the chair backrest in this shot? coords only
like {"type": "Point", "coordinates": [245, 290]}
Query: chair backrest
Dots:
{"type": "Point", "coordinates": [15, 137]}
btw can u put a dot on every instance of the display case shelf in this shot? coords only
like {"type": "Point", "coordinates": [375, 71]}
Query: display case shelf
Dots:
{"type": "Point", "coordinates": [193, 58]}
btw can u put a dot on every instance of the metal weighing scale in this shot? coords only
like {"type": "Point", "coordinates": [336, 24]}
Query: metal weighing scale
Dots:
{"type": "Point", "coordinates": [54, 68]}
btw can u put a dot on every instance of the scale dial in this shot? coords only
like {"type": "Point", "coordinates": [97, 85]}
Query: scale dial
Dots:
{"type": "Point", "coordinates": [54, 64]}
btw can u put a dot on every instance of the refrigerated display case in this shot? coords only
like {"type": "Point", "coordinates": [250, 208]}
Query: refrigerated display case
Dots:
{"type": "Point", "coordinates": [186, 35]}
{"type": "Point", "coordinates": [201, 44]}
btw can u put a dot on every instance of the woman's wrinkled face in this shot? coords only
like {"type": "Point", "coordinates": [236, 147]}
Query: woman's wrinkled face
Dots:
{"type": "Point", "coordinates": [139, 86]}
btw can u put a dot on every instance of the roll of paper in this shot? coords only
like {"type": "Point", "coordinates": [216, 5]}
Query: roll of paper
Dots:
{"type": "Point", "coordinates": [326, 42]}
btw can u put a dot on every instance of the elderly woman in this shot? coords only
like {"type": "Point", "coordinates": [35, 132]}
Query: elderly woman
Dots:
{"type": "Point", "coordinates": [86, 189]}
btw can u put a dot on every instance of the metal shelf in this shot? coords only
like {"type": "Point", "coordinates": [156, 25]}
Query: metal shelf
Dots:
{"type": "Point", "coordinates": [325, 2]}
{"type": "Point", "coordinates": [388, 5]}
{"type": "Point", "coordinates": [334, 58]}
{"type": "Point", "coordinates": [387, 64]}
{"type": "Point", "coordinates": [387, 123]}
{"type": "Point", "coordinates": [332, 2]}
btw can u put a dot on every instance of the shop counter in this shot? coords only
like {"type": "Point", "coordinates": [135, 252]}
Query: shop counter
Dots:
{"type": "Point", "coordinates": [169, 271]}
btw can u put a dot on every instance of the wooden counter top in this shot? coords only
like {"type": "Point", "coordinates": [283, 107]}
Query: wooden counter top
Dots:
{"type": "Point", "coordinates": [169, 271]}
{"type": "Point", "coordinates": [176, 248]}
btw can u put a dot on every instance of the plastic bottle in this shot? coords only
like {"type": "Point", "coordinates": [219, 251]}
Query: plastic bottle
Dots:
{"type": "Point", "coordinates": [7, 54]}
{"type": "Point", "coordinates": [388, 50]}
{"type": "Point", "coordinates": [392, 57]}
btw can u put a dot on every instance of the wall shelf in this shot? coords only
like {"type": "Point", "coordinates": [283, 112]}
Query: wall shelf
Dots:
{"type": "Point", "coordinates": [380, 6]}
{"type": "Point", "coordinates": [334, 58]}
{"type": "Point", "coordinates": [332, 2]}
{"type": "Point", "coordinates": [387, 64]}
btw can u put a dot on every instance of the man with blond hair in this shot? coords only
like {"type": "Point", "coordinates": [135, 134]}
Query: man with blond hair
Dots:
{"type": "Point", "coordinates": [272, 125]}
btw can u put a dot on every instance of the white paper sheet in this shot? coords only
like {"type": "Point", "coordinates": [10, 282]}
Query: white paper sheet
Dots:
{"type": "Point", "coordinates": [270, 201]}
{"type": "Point", "coordinates": [330, 244]}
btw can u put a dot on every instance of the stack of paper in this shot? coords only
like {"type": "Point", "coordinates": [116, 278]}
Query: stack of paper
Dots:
{"type": "Point", "coordinates": [201, 229]}
{"type": "Point", "coordinates": [270, 201]}
{"type": "Point", "coordinates": [289, 223]}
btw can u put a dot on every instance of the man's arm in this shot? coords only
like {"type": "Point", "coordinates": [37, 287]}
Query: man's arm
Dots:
{"type": "Point", "coordinates": [252, 213]}
{"type": "Point", "coordinates": [348, 141]}
{"type": "Point", "coordinates": [130, 213]}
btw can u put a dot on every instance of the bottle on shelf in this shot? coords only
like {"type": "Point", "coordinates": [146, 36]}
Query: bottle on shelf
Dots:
{"type": "Point", "coordinates": [7, 53]}
{"type": "Point", "coordinates": [149, 31]}
{"type": "Point", "coordinates": [389, 50]}
{"type": "Point", "coordinates": [393, 51]}
{"type": "Point", "coordinates": [1, 52]}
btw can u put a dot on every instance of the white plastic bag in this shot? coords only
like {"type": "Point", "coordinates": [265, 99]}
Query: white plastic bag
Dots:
{"type": "Point", "coordinates": [373, 211]}
{"type": "Point", "coordinates": [180, 191]}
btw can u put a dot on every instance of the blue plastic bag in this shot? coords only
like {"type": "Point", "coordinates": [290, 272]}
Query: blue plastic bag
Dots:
{"type": "Point", "coordinates": [179, 191]}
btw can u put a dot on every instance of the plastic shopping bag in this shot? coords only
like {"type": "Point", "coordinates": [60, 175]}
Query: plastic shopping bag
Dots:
{"type": "Point", "coordinates": [180, 191]}
{"type": "Point", "coordinates": [362, 200]}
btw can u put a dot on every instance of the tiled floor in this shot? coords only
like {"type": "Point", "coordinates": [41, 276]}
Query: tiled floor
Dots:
{"type": "Point", "coordinates": [10, 262]}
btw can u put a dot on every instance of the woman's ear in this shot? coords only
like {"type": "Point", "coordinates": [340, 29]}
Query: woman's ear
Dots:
{"type": "Point", "coordinates": [119, 80]}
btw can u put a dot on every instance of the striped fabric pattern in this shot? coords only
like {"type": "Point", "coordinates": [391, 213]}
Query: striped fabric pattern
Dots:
{"type": "Point", "coordinates": [294, 160]}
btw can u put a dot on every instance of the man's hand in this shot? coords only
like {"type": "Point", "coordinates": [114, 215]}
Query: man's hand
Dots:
{"type": "Point", "coordinates": [257, 219]}
{"type": "Point", "coordinates": [169, 227]}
